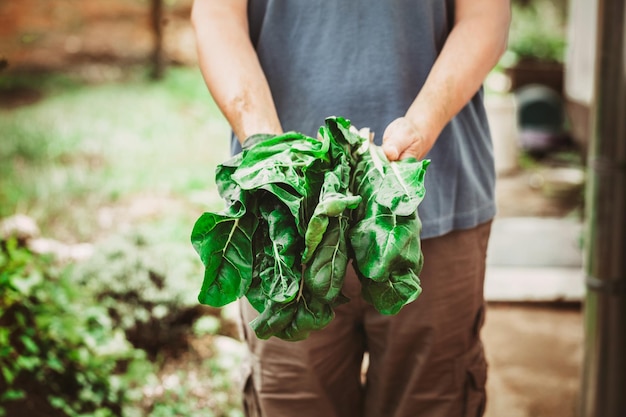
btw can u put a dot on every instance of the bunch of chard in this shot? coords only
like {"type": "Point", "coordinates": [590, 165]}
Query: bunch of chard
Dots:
{"type": "Point", "coordinates": [298, 210]}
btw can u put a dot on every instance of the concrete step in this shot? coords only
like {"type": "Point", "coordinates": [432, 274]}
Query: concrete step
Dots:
{"type": "Point", "coordinates": [535, 260]}
{"type": "Point", "coordinates": [534, 284]}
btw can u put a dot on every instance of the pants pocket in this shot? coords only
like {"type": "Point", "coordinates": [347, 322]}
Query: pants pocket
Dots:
{"type": "Point", "coordinates": [250, 399]}
{"type": "Point", "coordinates": [475, 391]}
{"type": "Point", "coordinates": [251, 406]}
{"type": "Point", "coordinates": [472, 368]}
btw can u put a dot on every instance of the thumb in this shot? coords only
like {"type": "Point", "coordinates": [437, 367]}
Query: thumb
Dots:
{"type": "Point", "coordinates": [391, 151]}
{"type": "Point", "coordinates": [398, 136]}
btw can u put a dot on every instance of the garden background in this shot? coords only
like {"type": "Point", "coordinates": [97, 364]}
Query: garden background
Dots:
{"type": "Point", "coordinates": [108, 145]}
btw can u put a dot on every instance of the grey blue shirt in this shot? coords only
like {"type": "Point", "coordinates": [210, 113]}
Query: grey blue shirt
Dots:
{"type": "Point", "coordinates": [366, 60]}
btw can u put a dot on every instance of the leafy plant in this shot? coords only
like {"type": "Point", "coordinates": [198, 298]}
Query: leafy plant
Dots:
{"type": "Point", "coordinates": [201, 388]}
{"type": "Point", "coordinates": [286, 236]}
{"type": "Point", "coordinates": [144, 284]}
{"type": "Point", "coordinates": [537, 32]}
{"type": "Point", "coordinates": [59, 353]}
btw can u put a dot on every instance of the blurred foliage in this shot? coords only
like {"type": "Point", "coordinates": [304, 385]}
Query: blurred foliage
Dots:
{"type": "Point", "coordinates": [148, 284]}
{"type": "Point", "coordinates": [67, 336]}
{"type": "Point", "coordinates": [59, 350]}
{"type": "Point", "coordinates": [188, 393]}
{"type": "Point", "coordinates": [50, 83]}
{"type": "Point", "coordinates": [121, 162]}
{"type": "Point", "coordinates": [538, 31]}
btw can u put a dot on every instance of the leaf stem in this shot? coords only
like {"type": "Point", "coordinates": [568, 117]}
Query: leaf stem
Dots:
{"type": "Point", "coordinates": [230, 235]}
{"type": "Point", "coordinates": [378, 163]}
{"type": "Point", "coordinates": [394, 168]}
{"type": "Point", "coordinates": [301, 283]}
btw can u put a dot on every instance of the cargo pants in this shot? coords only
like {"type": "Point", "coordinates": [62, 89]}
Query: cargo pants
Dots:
{"type": "Point", "coordinates": [426, 361]}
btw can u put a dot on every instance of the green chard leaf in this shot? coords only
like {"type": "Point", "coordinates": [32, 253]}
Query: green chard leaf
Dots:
{"type": "Point", "coordinates": [383, 242]}
{"type": "Point", "coordinates": [228, 189]}
{"type": "Point", "coordinates": [224, 243]}
{"type": "Point", "coordinates": [280, 280]}
{"type": "Point", "coordinates": [325, 274]}
{"type": "Point", "coordinates": [274, 318]}
{"type": "Point", "coordinates": [310, 314]}
{"type": "Point", "coordinates": [255, 294]}
{"type": "Point", "coordinates": [335, 199]}
{"type": "Point", "coordinates": [385, 233]}
{"type": "Point", "coordinates": [402, 189]}
{"type": "Point", "coordinates": [294, 202]}
{"type": "Point", "coordinates": [388, 297]}
{"type": "Point", "coordinates": [283, 159]}
{"type": "Point", "coordinates": [325, 256]}
{"type": "Point", "coordinates": [343, 134]}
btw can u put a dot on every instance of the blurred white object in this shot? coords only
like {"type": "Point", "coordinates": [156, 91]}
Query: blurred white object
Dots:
{"type": "Point", "coordinates": [581, 53]}
{"type": "Point", "coordinates": [19, 226]}
{"type": "Point", "coordinates": [502, 117]}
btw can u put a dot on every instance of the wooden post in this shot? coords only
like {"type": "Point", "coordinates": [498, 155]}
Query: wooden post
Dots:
{"type": "Point", "coordinates": [604, 376]}
{"type": "Point", "coordinates": [158, 61]}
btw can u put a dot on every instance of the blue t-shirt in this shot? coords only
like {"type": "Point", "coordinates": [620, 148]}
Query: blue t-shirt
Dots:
{"type": "Point", "coordinates": [366, 61]}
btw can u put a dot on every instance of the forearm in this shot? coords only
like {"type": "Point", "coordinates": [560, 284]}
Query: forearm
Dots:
{"type": "Point", "coordinates": [231, 69]}
{"type": "Point", "coordinates": [472, 49]}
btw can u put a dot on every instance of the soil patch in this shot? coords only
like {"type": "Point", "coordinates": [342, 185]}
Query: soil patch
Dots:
{"type": "Point", "coordinates": [535, 355]}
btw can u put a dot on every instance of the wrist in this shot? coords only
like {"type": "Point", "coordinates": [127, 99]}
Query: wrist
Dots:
{"type": "Point", "coordinates": [424, 128]}
{"type": "Point", "coordinates": [253, 124]}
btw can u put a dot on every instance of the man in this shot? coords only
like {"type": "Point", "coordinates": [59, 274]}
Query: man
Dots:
{"type": "Point", "coordinates": [412, 72]}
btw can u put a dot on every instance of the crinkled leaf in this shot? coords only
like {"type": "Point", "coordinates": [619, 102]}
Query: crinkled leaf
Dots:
{"type": "Point", "coordinates": [274, 318]}
{"type": "Point", "coordinates": [282, 159]}
{"type": "Point", "coordinates": [255, 294]}
{"type": "Point", "coordinates": [402, 189]}
{"type": "Point", "coordinates": [383, 242]}
{"type": "Point", "coordinates": [261, 147]}
{"type": "Point", "coordinates": [291, 200]}
{"type": "Point", "coordinates": [324, 276]}
{"type": "Point", "coordinates": [343, 134]}
{"type": "Point", "coordinates": [310, 315]}
{"type": "Point", "coordinates": [366, 181]}
{"type": "Point", "coordinates": [279, 281]}
{"type": "Point", "coordinates": [228, 189]}
{"type": "Point", "coordinates": [390, 295]}
{"type": "Point", "coordinates": [335, 200]}
{"type": "Point", "coordinates": [333, 205]}
{"type": "Point", "coordinates": [385, 233]}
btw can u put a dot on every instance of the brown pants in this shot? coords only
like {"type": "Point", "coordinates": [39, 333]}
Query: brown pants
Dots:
{"type": "Point", "coordinates": [426, 361]}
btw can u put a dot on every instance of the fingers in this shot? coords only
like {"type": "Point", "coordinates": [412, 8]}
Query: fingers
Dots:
{"type": "Point", "coordinates": [402, 139]}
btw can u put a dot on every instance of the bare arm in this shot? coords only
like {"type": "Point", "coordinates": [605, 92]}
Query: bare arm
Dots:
{"type": "Point", "coordinates": [230, 67]}
{"type": "Point", "coordinates": [472, 49]}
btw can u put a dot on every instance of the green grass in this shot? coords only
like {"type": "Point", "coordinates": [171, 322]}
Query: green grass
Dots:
{"type": "Point", "coordinates": [85, 146]}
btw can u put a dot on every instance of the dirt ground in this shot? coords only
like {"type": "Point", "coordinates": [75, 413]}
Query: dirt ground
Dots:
{"type": "Point", "coordinates": [534, 352]}
{"type": "Point", "coordinates": [535, 355]}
